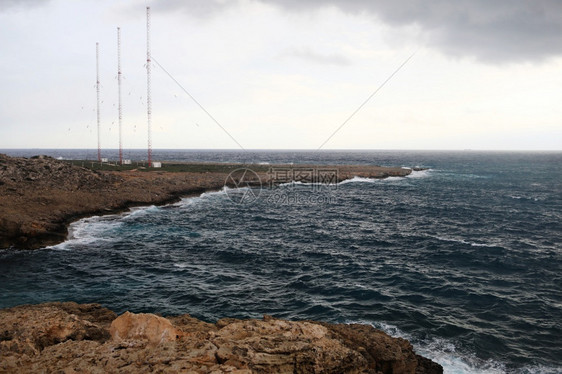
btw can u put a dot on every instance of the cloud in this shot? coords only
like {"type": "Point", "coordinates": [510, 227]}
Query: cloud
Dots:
{"type": "Point", "coordinates": [307, 54]}
{"type": "Point", "coordinates": [195, 8]}
{"type": "Point", "coordinates": [491, 31]}
{"type": "Point", "coordinates": [6, 5]}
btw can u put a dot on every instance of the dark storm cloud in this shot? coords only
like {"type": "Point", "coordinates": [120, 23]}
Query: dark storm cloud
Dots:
{"type": "Point", "coordinates": [490, 30]}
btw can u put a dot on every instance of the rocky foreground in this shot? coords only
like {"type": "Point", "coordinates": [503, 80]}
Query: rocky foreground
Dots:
{"type": "Point", "coordinates": [39, 197]}
{"type": "Point", "coordinates": [87, 338]}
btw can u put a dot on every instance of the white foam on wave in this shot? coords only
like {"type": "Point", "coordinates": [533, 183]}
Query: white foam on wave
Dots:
{"type": "Point", "coordinates": [301, 183]}
{"type": "Point", "coordinates": [292, 183]}
{"type": "Point", "coordinates": [462, 241]}
{"type": "Point", "coordinates": [135, 212]}
{"type": "Point", "coordinates": [390, 179]}
{"type": "Point", "coordinates": [517, 197]}
{"type": "Point", "coordinates": [420, 173]}
{"type": "Point", "coordinates": [444, 352]}
{"type": "Point", "coordinates": [358, 180]}
{"type": "Point", "coordinates": [367, 180]}
{"type": "Point", "coordinates": [88, 231]}
{"type": "Point", "coordinates": [413, 174]}
{"type": "Point", "coordinates": [190, 201]}
{"type": "Point", "coordinates": [222, 191]}
{"type": "Point", "coordinates": [95, 229]}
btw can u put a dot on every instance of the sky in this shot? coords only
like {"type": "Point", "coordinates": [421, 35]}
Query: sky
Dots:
{"type": "Point", "coordinates": [284, 74]}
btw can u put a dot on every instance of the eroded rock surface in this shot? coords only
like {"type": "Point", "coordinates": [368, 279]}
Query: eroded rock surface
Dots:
{"type": "Point", "coordinates": [74, 338]}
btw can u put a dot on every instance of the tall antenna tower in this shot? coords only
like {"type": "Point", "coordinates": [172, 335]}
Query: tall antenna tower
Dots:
{"type": "Point", "coordinates": [98, 97]}
{"type": "Point", "coordinates": [119, 85]}
{"type": "Point", "coordinates": [148, 99]}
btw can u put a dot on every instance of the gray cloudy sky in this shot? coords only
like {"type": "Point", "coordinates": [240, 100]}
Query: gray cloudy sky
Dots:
{"type": "Point", "coordinates": [286, 73]}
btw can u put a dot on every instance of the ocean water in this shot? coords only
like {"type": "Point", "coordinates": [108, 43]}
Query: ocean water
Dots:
{"type": "Point", "coordinates": [464, 260]}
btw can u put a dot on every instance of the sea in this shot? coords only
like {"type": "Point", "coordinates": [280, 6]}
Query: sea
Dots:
{"type": "Point", "coordinates": [463, 259]}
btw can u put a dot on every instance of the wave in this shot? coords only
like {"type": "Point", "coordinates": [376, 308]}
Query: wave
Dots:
{"type": "Point", "coordinates": [138, 211]}
{"type": "Point", "coordinates": [413, 174]}
{"type": "Point", "coordinates": [462, 241]}
{"type": "Point", "coordinates": [301, 183]}
{"type": "Point", "coordinates": [447, 354]}
{"type": "Point", "coordinates": [207, 194]}
{"type": "Point", "coordinates": [87, 231]}
{"type": "Point", "coordinates": [517, 197]}
{"type": "Point", "coordinates": [358, 180]}
{"type": "Point", "coordinates": [90, 230]}
{"type": "Point", "coordinates": [293, 183]}
{"type": "Point", "coordinates": [96, 229]}
{"type": "Point", "coordinates": [369, 180]}
{"type": "Point", "coordinates": [420, 173]}
{"type": "Point", "coordinates": [190, 201]}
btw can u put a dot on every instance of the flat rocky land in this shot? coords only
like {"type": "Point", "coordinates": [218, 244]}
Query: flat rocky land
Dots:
{"type": "Point", "coordinates": [41, 196]}
{"type": "Point", "coordinates": [87, 338]}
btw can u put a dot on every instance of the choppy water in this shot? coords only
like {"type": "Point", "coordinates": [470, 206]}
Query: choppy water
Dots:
{"type": "Point", "coordinates": [465, 260]}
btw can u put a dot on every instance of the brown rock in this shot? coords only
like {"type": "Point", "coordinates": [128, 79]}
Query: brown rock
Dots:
{"type": "Point", "coordinates": [143, 326]}
{"type": "Point", "coordinates": [28, 329]}
{"type": "Point", "coordinates": [384, 353]}
{"type": "Point", "coordinates": [277, 346]}
{"type": "Point", "coordinates": [74, 338]}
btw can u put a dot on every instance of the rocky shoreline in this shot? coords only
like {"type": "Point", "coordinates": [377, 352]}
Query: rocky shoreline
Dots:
{"type": "Point", "coordinates": [40, 197]}
{"type": "Point", "coordinates": [87, 338]}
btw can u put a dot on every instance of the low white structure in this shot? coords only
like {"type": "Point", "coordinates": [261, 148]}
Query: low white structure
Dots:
{"type": "Point", "coordinates": [156, 164]}
{"type": "Point", "coordinates": [126, 162]}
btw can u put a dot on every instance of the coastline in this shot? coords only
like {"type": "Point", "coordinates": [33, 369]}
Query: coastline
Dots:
{"type": "Point", "coordinates": [416, 226]}
{"type": "Point", "coordinates": [41, 197]}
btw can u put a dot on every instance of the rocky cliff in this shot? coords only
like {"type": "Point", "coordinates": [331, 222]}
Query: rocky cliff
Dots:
{"type": "Point", "coordinates": [86, 338]}
{"type": "Point", "coordinates": [39, 197]}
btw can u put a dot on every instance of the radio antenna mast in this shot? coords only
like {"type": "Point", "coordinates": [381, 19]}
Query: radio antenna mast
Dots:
{"type": "Point", "coordinates": [119, 91]}
{"type": "Point", "coordinates": [148, 99]}
{"type": "Point", "coordinates": [98, 97]}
